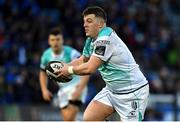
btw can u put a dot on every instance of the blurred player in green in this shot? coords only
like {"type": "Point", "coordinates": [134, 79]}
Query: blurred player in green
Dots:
{"type": "Point", "coordinates": [127, 89]}
{"type": "Point", "coordinates": [72, 94]}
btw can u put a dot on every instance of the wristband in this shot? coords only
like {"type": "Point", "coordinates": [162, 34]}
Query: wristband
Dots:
{"type": "Point", "coordinates": [70, 70]}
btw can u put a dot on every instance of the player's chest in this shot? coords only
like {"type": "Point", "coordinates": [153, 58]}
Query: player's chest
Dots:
{"type": "Point", "coordinates": [64, 58]}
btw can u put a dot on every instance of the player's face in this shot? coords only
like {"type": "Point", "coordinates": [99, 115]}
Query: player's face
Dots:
{"type": "Point", "coordinates": [92, 25]}
{"type": "Point", "coordinates": [56, 42]}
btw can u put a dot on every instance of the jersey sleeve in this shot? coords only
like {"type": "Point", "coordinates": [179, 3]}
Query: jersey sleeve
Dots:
{"type": "Point", "coordinates": [103, 48]}
{"type": "Point", "coordinates": [43, 62]}
{"type": "Point", "coordinates": [75, 54]}
{"type": "Point", "coordinates": [86, 49]}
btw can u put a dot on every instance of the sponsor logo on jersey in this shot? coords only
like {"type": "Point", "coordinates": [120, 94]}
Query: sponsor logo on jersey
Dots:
{"type": "Point", "coordinates": [100, 50]}
{"type": "Point", "coordinates": [102, 43]}
{"type": "Point", "coordinates": [132, 115]}
{"type": "Point", "coordinates": [134, 105]}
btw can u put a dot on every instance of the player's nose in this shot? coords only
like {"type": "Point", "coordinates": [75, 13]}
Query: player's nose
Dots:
{"type": "Point", "coordinates": [85, 24]}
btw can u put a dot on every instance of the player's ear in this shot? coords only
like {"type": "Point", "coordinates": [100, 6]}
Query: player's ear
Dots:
{"type": "Point", "coordinates": [61, 39]}
{"type": "Point", "coordinates": [101, 23]}
{"type": "Point", "coordinates": [49, 36]}
{"type": "Point", "coordinates": [49, 41]}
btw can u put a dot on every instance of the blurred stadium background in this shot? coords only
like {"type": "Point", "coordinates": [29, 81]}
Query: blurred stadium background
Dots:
{"type": "Point", "coordinates": [150, 28]}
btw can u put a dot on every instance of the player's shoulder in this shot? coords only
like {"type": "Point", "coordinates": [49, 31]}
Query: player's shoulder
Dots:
{"type": "Point", "coordinates": [72, 52]}
{"type": "Point", "coordinates": [46, 55]}
{"type": "Point", "coordinates": [103, 36]}
{"type": "Point", "coordinates": [48, 51]}
{"type": "Point", "coordinates": [89, 39]}
{"type": "Point", "coordinates": [68, 48]}
{"type": "Point", "coordinates": [105, 32]}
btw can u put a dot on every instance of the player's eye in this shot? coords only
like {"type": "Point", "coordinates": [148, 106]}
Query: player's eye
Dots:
{"type": "Point", "coordinates": [89, 20]}
{"type": "Point", "coordinates": [57, 39]}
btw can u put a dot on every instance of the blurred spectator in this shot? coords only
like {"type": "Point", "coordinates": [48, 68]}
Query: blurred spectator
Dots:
{"type": "Point", "coordinates": [152, 115]}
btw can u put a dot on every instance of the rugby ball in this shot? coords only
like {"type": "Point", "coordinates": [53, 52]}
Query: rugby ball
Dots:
{"type": "Point", "coordinates": [54, 66]}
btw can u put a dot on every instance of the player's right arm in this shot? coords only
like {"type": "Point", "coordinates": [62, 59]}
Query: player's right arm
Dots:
{"type": "Point", "coordinates": [47, 95]}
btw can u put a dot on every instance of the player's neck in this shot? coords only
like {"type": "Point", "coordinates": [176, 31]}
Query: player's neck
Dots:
{"type": "Point", "coordinates": [57, 52]}
{"type": "Point", "coordinates": [100, 29]}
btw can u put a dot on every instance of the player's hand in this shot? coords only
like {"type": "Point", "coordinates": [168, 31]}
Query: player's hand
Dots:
{"type": "Point", "coordinates": [77, 93]}
{"type": "Point", "coordinates": [47, 95]}
{"type": "Point", "coordinates": [63, 72]}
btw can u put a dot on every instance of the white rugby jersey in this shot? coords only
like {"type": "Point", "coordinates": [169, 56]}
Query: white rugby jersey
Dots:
{"type": "Point", "coordinates": [119, 70]}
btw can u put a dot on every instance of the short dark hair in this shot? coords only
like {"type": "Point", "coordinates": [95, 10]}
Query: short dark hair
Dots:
{"type": "Point", "coordinates": [97, 11]}
{"type": "Point", "coordinates": [55, 31]}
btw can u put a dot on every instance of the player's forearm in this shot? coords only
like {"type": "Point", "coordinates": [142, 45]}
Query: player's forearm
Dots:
{"type": "Point", "coordinates": [76, 62]}
{"type": "Point", "coordinates": [83, 82]}
{"type": "Point", "coordinates": [83, 69]}
{"type": "Point", "coordinates": [86, 68]}
{"type": "Point", "coordinates": [43, 80]}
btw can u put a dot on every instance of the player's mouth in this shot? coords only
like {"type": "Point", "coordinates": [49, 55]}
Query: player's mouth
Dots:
{"type": "Point", "coordinates": [56, 46]}
{"type": "Point", "coordinates": [86, 30]}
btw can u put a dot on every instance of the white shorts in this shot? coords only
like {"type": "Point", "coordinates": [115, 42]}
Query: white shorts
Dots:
{"type": "Point", "coordinates": [130, 107]}
{"type": "Point", "coordinates": [64, 95]}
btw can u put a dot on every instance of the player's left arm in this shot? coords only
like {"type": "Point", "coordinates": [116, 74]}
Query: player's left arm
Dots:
{"type": "Point", "coordinates": [84, 69]}
{"type": "Point", "coordinates": [89, 67]}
